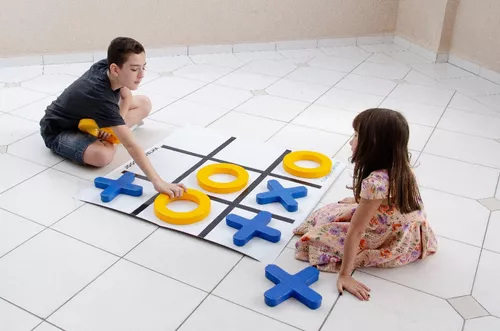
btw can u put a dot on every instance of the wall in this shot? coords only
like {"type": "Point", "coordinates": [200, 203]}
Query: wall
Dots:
{"type": "Point", "coordinates": [475, 35]}
{"type": "Point", "coordinates": [57, 26]}
{"type": "Point", "coordinates": [421, 22]}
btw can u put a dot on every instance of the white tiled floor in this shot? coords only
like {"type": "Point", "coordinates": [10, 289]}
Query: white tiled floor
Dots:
{"type": "Point", "coordinates": [65, 265]}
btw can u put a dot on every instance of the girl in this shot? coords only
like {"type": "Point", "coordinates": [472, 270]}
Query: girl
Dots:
{"type": "Point", "coordinates": [384, 224]}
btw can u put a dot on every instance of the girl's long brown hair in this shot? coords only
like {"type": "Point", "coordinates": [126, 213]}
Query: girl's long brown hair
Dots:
{"type": "Point", "coordinates": [383, 136]}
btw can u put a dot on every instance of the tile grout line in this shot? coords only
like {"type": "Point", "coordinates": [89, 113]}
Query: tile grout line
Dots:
{"type": "Point", "coordinates": [23, 309]}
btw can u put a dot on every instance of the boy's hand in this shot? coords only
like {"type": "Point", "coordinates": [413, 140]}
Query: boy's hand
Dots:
{"type": "Point", "coordinates": [103, 135]}
{"type": "Point", "coordinates": [172, 190]}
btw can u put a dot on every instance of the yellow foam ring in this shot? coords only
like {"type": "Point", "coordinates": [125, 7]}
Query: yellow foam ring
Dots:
{"type": "Point", "coordinates": [236, 185]}
{"type": "Point", "coordinates": [183, 218]}
{"type": "Point", "coordinates": [325, 164]}
{"type": "Point", "coordinates": [90, 126]}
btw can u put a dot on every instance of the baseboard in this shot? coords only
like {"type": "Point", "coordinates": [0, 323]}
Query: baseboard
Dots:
{"type": "Point", "coordinates": [475, 68]}
{"type": "Point", "coordinates": [201, 49]}
{"type": "Point", "coordinates": [420, 50]}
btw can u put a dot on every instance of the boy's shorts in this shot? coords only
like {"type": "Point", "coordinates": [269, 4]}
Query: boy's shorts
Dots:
{"type": "Point", "coordinates": [72, 144]}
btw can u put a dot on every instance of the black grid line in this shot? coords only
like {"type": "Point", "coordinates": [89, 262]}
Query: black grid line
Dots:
{"type": "Point", "coordinates": [296, 181]}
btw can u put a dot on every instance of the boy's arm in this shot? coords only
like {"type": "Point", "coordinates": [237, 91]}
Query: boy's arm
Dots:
{"type": "Point", "coordinates": [126, 138]}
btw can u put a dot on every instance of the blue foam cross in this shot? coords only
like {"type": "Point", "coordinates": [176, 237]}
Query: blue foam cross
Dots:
{"type": "Point", "coordinates": [286, 196]}
{"type": "Point", "coordinates": [114, 187]}
{"type": "Point", "coordinates": [296, 286]}
{"type": "Point", "coordinates": [255, 227]}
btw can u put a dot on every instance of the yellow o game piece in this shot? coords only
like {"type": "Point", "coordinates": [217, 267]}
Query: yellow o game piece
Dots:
{"type": "Point", "coordinates": [207, 184]}
{"type": "Point", "coordinates": [90, 126]}
{"type": "Point", "coordinates": [325, 164]}
{"type": "Point", "coordinates": [183, 218]}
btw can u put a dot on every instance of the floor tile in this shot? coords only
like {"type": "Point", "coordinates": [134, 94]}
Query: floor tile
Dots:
{"type": "Point", "coordinates": [252, 274]}
{"type": "Point", "coordinates": [270, 67]}
{"type": "Point", "coordinates": [466, 223]}
{"type": "Point", "coordinates": [348, 52]}
{"type": "Point", "coordinates": [33, 149]}
{"type": "Point", "coordinates": [46, 327]}
{"type": "Point", "coordinates": [409, 58]}
{"type": "Point", "coordinates": [472, 86]}
{"type": "Point", "coordinates": [34, 111]}
{"type": "Point", "coordinates": [487, 274]}
{"type": "Point", "coordinates": [367, 85]}
{"type": "Point", "coordinates": [468, 307]}
{"type": "Point", "coordinates": [492, 204]}
{"type": "Point", "coordinates": [382, 48]}
{"type": "Point", "coordinates": [173, 86]}
{"type": "Point", "coordinates": [48, 270]}
{"type": "Point", "coordinates": [184, 112]}
{"type": "Point", "coordinates": [326, 118]}
{"type": "Point", "coordinates": [202, 72]}
{"type": "Point", "coordinates": [297, 137]}
{"type": "Point", "coordinates": [417, 78]}
{"type": "Point", "coordinates": [258, 55]}
{"type": "Point", "coordinates": [220, 96]}
{"type": "Point", "coordinates": [465, 103]}
{"type": "Point", "coordinates": [442, 70]}
{"type": "Point", "coordinates": [158, 101]}
{"type": "Point", "coordinates": [223, 60]}
{"type": "Point", "coordinates": [101, 227]}
{"type": "Point", "coordinates": [419, 135]}
{"type": "Point", "coordinates": [392, 308]}
{"type": "Point", "coordinates": [16, 97]}
{"type": "Point", "coordinates": [384, 71]}
{"type": "Point", "coordinates": [382, 58]}
{"type": "Point", "coordinates": [19, 74]}
{"type": "Point", "coordinates": [221, 315]}
{"type": "Point", "coordinates": [438, 274]}
{"type": "Point", "coordinates": [455, 177]}
{"type": "Point", "coordinates": [422, 94]}
{"type": "Point", "coordinates": [16, 319]}
{"type": "Point", "coordinates": [349, 100]}
{"type": "Point", "coordinates": [491, 240]}
{"type": "Point", "coordinates": [151, 133]}
{"type": "Point", "coordinates": [161, 252]}
{"type": "Point", "coordinates": [168, 63]}
{"type": "Point", "coordinates": [243, 125]}
{"type": "Point", "coordinates": [15, 230]}
{"type": "Point", "coordinates": [13, 128]}
{"type": "Point", "coordinates": [294, 90]}
{"type": "Point", "coordinates": [464, 147]}
{"type": "Point", "coordinates": [316, 76]}
{"type": "Point", "coordinates": [471, 123]}
{"type": "Point", "coordinates": [335, 63]}
{"type": "Point", "coordinates": [49, 84]}
{"type": "Point", "coordinates": [339, 191]}
{"type": "Point", "coordinates": [491, 101]}
{"type": "Point", "coordinates": [489, 323]}
{"type": "Point", "coordinates": [14, 170]}
{"type": "Point", "coordinates": [52, 201]}
{"type": "Point", "coordinates": [306, 53]}
{"type": "Point", "coordinates": [74, 69]}
{"type": "Point", "coordinates": [272, 107]}
{"type": "Point", "coordinates": [247, 80]}
{"type": "Point", "coordinates": [415, 112]}
{"type": "Point", "coordinates": [129, 297]}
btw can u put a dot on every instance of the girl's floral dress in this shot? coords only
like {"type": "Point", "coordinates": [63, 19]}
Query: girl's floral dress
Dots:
{"type": "Point", "coordinates": [391, 239]}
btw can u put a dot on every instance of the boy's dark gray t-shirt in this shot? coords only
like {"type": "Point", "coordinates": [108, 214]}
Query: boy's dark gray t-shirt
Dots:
{"type": "Point", "coordinates": [90, 96]}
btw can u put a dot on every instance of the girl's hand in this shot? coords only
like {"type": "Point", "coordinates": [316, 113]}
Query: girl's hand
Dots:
{"type": "Point", "coordinates": [354, 287]}
{"type": "Point", "coordinates": [348, 200]}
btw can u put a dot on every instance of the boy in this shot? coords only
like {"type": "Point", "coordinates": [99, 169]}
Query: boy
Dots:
{"type": "Point", "coordinates": [103, 94]}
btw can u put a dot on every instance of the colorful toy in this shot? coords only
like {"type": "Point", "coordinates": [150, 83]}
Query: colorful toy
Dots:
{"type": "Point", "coordinates": [296, 286]}
{"type": "Point", "coordinates": [236, 185]}
{"type": "Point", "coordinates": [250, 228]}
{"type": "Point", "coordinates": [324, 168]}
{"type": "Point", "coordinates": [90, 126]}
{"type": "Point", "coordinates": [285, 196]}
{"type": "Point", "coordinates": [114, 187]}
{"type": "Point", "coordinates": [183, 218]}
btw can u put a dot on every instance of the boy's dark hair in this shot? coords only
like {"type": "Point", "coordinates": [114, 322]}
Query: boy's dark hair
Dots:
{"type": "Point", "coordinates": [120, 49]}
{"type": "Point", "coordinates": [383, 136]}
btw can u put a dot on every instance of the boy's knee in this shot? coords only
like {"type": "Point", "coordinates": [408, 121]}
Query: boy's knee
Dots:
{"type": "Point", "coordinates": [98, 157]}
{"type": "Point", "coordinates": [147, 106]}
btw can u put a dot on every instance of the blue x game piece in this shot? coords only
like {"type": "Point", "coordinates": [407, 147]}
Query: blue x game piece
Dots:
{"type": "Point", "coordinates": [296, 286]}
{"type": "Point", "coordinates": [286, 196]}
{"type": "Point", "coordinates": [249, 228]}
{"type": "Point", "coordinates": [114, 187]}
